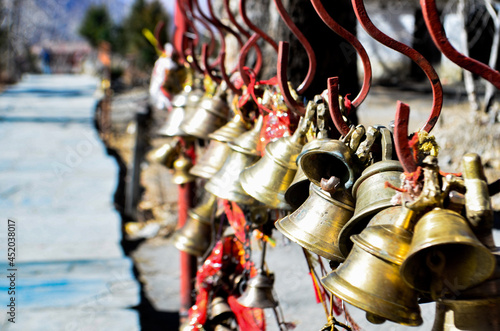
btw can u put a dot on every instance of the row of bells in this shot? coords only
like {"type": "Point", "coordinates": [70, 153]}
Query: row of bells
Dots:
{"type": "Point", "coordinates": [388, 262]}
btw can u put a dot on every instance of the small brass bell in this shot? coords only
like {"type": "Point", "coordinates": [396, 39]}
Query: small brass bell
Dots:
{"type": "Point", "coordinates": [165, 154]}
{"type": "Point", "coordinates": [445, 251]}
{"type": "Point", "coordinates": [219, 310]}
{"type": "Point", "coordinates": [369, 278]}
{"type": "Point", "coordinates": [181, 173]}
{"type": "Point", "coordinates": [196, 234]}
{"type": "Point", "coordinates": [182, 103]}
{"type": "Point", "coordinates": [217, 151]}
{"type": "Point", "coordinates": [226, 182]}
{"type": "Point", "coordinates": [316, 224]}
{"type": "Point", "coordinates": [371, 193]}
{"type": "Point", "coordinates": [259, 292]}
{"type": "Point", "coordinates": [269, 178]}
{"type": "Point", "coordinates": [210, 115]}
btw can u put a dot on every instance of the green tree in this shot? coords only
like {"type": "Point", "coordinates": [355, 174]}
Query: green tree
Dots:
{"type": "Point", "coordinates": [97, 25]}
{"type": "Point", "coordinates": [143, 15]}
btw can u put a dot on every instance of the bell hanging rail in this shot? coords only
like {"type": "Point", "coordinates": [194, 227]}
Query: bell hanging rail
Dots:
{"type": "Point", "coordinates": [283, 60]}
{"type": "Point", "coordinates": [375, 33]}
{"type": "Point", "coordinates": [438, 34]}
{"type": "Point", "coordinates": [341, 126]}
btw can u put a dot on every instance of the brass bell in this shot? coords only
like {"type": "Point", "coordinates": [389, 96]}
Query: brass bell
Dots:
{"type": "Point", "coordinates": [182, 103]}
{"type": "Point", "coordinates": [226, 182]}
{"type": "Point", "coordinates": [316, 224]}
{"type": "Point", "coordinates": [259, 292]}
{"type": "Point", "coordinates": [219, 310]}
{"type": "Point", "coordinates": [369, 278]}
{"type": "Point", "coordinates": [217, 150]}
{"type": "Point", "coordinates": [196, 234]}
{"type": "Point", "coordinates": [445, 251]}
{"type": "Point", "coordinates": [269, 178]}
{"type": "Point", "coordinates": [210, 115]}
{"type": "Point", "coordinates": [165, 154]}
{"type": "Point", "coordinates": [181, 173]}
{"type": "Point", "coordinates": [371, 193]}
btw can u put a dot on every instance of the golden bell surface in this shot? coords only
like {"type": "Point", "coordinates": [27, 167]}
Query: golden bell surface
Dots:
{"type": "Point", "coordinates": [445, 251]}
{"type": "Point", "coordinates": [371, 196]}
{"type": "Point", "coordinates": [269, 178]}
{"type": "Point", "coordinates": [226, 182]}
{"type": "Point", "coordinates": [219, 310]}
{"type": "Point", "coordinates": [333, 158]}
{"type": "Point", "coordinates": [217, 150]}
{"type": "Point", "coordinates": [195, 236]}
{"type": "Point", "coordinates": [316, 224]}
{"type": "Point", "coordinates": [210, 115]}
{"type": "Point", "coordinates": [298, 191]}
{"type": "Point", "coordinates": [369, 278]}
{"type": "Point", "coordinates": [259, 292]}
{"type": "Point", "coordinates": [181, 173]}
{"type": "Point", "coordinates": [165, 154]}
{"type": "Point", "coordinates": [472, 315]}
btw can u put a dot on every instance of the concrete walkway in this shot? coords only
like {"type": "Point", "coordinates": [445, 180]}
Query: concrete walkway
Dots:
{"type": "Point", "coordinates": [57, 185]}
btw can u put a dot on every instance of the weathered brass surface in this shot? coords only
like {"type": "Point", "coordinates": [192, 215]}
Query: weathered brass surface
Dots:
{"type": "Point", "coordinates": [259, 292]}
{"type": "Point", "coordinates": [182, 104]}
{"type": "Point", "coordinates": [333, 158]}
{"type": "Point", "coordinates": [315, 225]}
{"type": "Point", "coordinates": [196, 234]}
{"type": "Point", "coordinates": [372, 196]}
{"type": "Point", "coordinates": [243, 153]}
{"type": "Point", "coordinates": [181, 173]}
{"type": "Point", "coordinates": [471, 315]}
{"type": "Point", "coordinates": [219, 310]}
{"type": "Point", "coordinates": [445, 253]}
{"type": "Point", "coordinates": [210, 115]}
{"type": "Point", "coordinates": [165, 154]}
{"type": "Point", "coordinates": [230, 131]}
{"type": "Point", "coordinates": [369, 278]}
{"type": "Point", "coordinates": [269, 178]}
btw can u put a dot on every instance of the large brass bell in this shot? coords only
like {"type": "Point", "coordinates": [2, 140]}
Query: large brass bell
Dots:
{"type": "Point", "coordinates": [182, 103]}
{"type": "Point", "coordinates": [196, 234]}
{"type": "Point", "coordinates": [226, 182]}
{"type": "Point", "coordinates": [259, 292]}
{"type": "Point", "coordinates": [181, 173]}
{"type": "Point", "coordinates": [219, 310]}
{"type": "Point", "coordinates": [316, 224]}
{"type": "Point", "coordinates": [269, 178]}
{"type": "Point", "coordinates": [210, 115]}
{"type": "Point", "coordinates": [445, 251]}
{"type": "Point", "coordinates": [369, 278]}
{"type": "Point", "coordinates": [371, 193]}
{"type": "Point", "coordinates": [217, 150]}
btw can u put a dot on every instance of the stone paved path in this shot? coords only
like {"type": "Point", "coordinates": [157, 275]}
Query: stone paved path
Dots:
{"type": "Point", "coordinates": [57, 184]}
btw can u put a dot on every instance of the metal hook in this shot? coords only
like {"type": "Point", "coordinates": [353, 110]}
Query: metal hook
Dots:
{"type": "Point", "coordinates": [252, 26]}
{"type": "Point", "coordinates": [251, 42]}
{"type": "Point", "coordinates": [375, 33]}
{"type": "Point", "coordinates": [351, 39]}
{"type": "Point", "coordinates": [436, 30]}
{"type": "Point", "coordinates": [160, 25]}
{"type": "Point", "coordinates": [403, 150]}
{"type": "Point", "coordinates": [333, 102]}
{"type": "Point", "coordinates": [283, 62]}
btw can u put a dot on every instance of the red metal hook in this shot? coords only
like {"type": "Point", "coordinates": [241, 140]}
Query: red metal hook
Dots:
{"type": "Point", "coordinates": [283, 62]}
{"type": "Point", "coordinates": [375, 33]}
{"type": "Point", "coordinates": [333, 103]}
{"type": "Point", "coordinates": [403, 150]}
{"type": "Point", "coordinates": [251, 42]}
{"type": "Point", "coordinates": [252, 26]}
{"type": "Point", "coordinates": [436, 30]}
{"type": "Point", "coordinates": [351, 39]}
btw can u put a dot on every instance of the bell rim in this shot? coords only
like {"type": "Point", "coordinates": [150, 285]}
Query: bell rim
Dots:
{"type": "Point", "coordinates": [306, 245]}
{"type": "Point", "coordinates": [182, 246]}
{"type": "Point", "coordinates": [230, 195]}
{"type": "Point", "coordinates": [297, 186]}
{"type": "Point", "coordinates": [332, 278]}
{"type": "Point", "coordinates": [202, 171]}
{"type": "Point", "coordinates": [278, 202]}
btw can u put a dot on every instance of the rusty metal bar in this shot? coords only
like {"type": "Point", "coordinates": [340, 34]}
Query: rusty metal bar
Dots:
{"type": "Point", "coordinates": [375, 33]}
{"type": "Point", "coordinates": [436, 30]}
{"type": "Point", "coordinates": [333, 105]}
{"type": "Point", "coordinates": [253, 27]}
{"type": "Point", "coordinates": [403, 150]}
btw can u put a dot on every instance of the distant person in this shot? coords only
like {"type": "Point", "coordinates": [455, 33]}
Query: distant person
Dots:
{"type": "Point", "coordinates": [45, 57]}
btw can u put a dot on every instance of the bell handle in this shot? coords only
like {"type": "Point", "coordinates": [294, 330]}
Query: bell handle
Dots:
{"type": "Point", "coordinates": [387, 144]}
